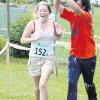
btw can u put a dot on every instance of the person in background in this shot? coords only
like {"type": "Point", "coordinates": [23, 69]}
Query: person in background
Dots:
{"type": "Point", "coordinates": [42, 34]}
{"type": "Point", "coordinates": [82, 59]}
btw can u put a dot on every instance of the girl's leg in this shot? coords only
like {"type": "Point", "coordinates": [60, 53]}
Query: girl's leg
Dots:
{"type": "Point", "coordinates": [36, 87]}
{"type": "Point", "coordinates": [45, 74]}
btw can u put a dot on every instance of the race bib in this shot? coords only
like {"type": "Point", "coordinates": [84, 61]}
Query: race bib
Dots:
{"type": "Point", "coordinates": [43, 49]}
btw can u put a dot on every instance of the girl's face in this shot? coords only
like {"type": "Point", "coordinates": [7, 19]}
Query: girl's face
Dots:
{"type": "Point", "coordinates": [43, 12]}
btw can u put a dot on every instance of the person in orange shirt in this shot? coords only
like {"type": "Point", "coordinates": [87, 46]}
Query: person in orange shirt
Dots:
{"type": "Point", "coordinates": [82, 59]}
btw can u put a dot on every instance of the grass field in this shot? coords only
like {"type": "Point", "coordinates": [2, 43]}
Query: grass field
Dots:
{"type": "Point", "coordinates": [16, 84]}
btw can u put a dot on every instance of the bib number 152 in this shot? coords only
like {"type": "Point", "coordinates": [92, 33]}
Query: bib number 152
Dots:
{"type": "Point", "coordinates": [41, 51]}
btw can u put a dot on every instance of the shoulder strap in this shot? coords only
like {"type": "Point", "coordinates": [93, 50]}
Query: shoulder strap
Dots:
{"type": "Point", "coordinates": [34, 27]}
{"type": "Point", "coordinates": [54, 28]}
{"type": "Point", "coordinates": [55, 32]}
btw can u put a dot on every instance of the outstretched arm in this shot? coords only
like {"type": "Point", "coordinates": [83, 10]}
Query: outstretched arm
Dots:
{"type": "Point", "coordinates": [75, 7]}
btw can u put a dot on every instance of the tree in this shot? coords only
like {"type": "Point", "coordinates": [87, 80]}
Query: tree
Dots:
{"type": "Point", "coordinates": [3, 1]}
{"type": "Point", "coordinates": [16, 31]}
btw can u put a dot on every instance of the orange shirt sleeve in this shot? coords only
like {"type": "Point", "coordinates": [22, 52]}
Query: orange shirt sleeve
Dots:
{"type": "Point", "coordinates": [68, 14]}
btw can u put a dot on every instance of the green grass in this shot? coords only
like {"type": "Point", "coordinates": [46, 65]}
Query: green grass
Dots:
{"type": "Point", "coordinates": [21, 85]}
{"type": "Point", "coordinates": [18, 85]}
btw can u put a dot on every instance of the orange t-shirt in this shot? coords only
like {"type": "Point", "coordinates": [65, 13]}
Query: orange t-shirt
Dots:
{"type": "Point", "coordinates": [82, 41]}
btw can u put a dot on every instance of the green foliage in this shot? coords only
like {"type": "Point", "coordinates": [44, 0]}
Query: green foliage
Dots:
{"type": "Point", "coordinates": [17, 29]}
{"type": "Point", "coordinates": [21, 85]}
{"type": "Point", "coordinates": [2, 42]}
{"type": "Point", "coordinates": [39, 0]}
{"type": "Point", "coordinates": [18, 1]}
{"type": "Point", "coordinates": [4, 1]}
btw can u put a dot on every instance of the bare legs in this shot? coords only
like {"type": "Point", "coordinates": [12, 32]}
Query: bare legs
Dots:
{"type": "Point", "coordinates": [41, 83]}
{"type": "Point", "coordinates": [36, 87]}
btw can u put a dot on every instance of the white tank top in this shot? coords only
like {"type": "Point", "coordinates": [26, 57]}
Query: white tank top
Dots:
{"type": "Point", "coordinates": [43, 47]}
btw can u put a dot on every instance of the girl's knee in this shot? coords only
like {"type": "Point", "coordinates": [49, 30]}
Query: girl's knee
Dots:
{"type": "Point", "coordinates": [42, 85]}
